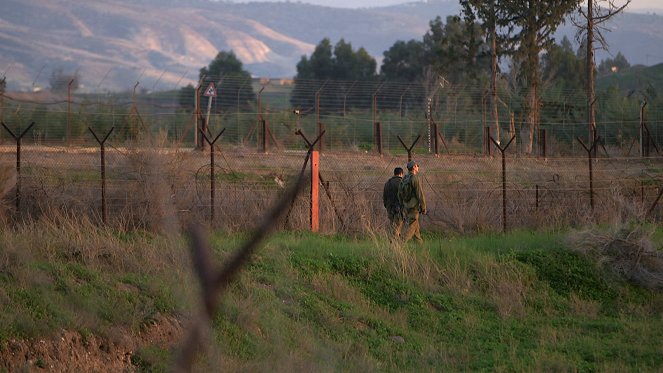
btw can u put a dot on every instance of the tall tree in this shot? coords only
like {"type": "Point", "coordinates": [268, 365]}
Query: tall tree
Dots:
{"type": "Point", "coordinates": [486, 11]}
{"type": "Point", "coordinates": [532, 24]}
{"type": "Point", "coordinates": [340, 64]}
{"type": "Point", "coordinates": [456, 49]}
{"type": "Point", "coordinates": [403, 61]}
{"type": "Point", "coordinates": [594, 15]}
{"type": "Point", "coordinates": [619, 63]}
{"type": "Point", "coordinates": [60, 80]}
{"type": "Point", "coordinates": [561, 66]}
{"type": "Point", "coordinates": [233, 82]}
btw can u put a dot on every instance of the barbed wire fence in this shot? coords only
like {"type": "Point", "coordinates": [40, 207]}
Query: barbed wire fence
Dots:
{"type": "Point", "coordinates": [155, 165]}
{"type": "Point", "coordinates": [136, 161]}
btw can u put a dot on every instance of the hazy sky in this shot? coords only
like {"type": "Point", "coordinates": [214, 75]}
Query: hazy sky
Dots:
{"type": "Point", "coordinates": [634, 6]}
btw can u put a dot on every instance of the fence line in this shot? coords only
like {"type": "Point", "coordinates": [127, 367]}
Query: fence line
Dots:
{"type": "Point", "coordinates": [139, 183]}
{"type": "Point", "coordinates": [348, 111]}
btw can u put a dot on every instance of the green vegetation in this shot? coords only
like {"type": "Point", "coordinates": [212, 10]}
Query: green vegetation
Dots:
{"type": "Point", "coordinates": [516, 302]}
{"type": "Point", "coordinates": [81, 278]}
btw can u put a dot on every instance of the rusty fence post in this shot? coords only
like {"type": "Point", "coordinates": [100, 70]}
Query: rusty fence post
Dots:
{"type": "Point", "coordinates": [649, 142]}
{"type": "Point", "coordinates": [643, 151]}
{"type": "Point", "coordinates": [377, 136]}
{"type": "Point", "coordinates": [102, 145]}
{"type": "Point", "coordinates": [18, 161]}
{"type": "Point", "coordinates": [436, 142]}
{"type": "Point", "coordinates": [265, 129]}
{"type": "Point", "coordinates": [315, 191]}
{"type": "Point", "coordinates": [310, 155]}
{"type": "Point", "coordinates": [543, 135]}
{"type": "Point", "coordinates": [590, 152]}
{"type": "Point", "coordinates": [502, 150]}
{"type": "Point", "coordinates": [409, 149]}
{"type": "Point", "coordinates": [68, 129]}
{"type": "Point", "coordinates": [212, 179]}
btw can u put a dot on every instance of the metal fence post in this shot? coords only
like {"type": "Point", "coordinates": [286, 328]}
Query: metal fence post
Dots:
{"type": "Point", "coordinates": [542, 142]}
{"type": "Point", "coordinates": [315, 182]}
{"type": "Point", "coordinates": [211, 172]}
{"type": "Point", "coordinates": [590, 151]}
{"type": "Point", "coordinates": [18, 161]}
{"type": "Point", "coordinates": [502, 150]}
{"type": "Point", "coordinates": [103, 171]}
{"type": "Point", "coordinates": [409, 149]}
{"type": "Point", "coordinates": [642, 129]}
{"type": "Point", "coordinates": [309, 154]}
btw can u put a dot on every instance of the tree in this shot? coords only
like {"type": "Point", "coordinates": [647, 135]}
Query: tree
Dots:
{"type": "Point", "coordinates": [614, 64]}
{"type": "Point", "coordinates": [594, 16]}
{"type": "Point", "coordinates": [403, 61]}
{"type": "Point", "coordinates": [456, 49]}
{"type": "Point", "coordinates": [60, 81]}
{"type": "Point", "coordinates": [486, 12]}
{"type": "Point", "coordinates": [232, 81]}
{"type": "Point", "coordinates": [340, 64]}
{"type": "Point", "coordinates": [531, 24]}
{"type": "Point", "coordinates": [186, 97]}
{"type": "Point", "coordinates": [563, 77]}
{"type": "Point", "coordinates": [561, 65]}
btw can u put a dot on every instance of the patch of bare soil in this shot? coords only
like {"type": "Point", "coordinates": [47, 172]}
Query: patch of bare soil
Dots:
{"type": "Point", "coordinates": [72, 352]}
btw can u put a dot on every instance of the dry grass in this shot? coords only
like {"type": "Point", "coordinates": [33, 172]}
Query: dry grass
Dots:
{"type": "Point", "coordinates": [456, 276]}
{"type": "Point", "coordinates": [163, 190]}
{"type": "Point", "coordinates": [7, 183]}
{"type": "Point", "coordinates": [79, 239]}
{"type": "Point", "coordinates": [584, 307]}
{"type": "Point", "coordinates": [626, 249]}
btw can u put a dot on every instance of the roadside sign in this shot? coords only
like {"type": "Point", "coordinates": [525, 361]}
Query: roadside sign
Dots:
{"type": "Point", "coordinates": [210, 91]}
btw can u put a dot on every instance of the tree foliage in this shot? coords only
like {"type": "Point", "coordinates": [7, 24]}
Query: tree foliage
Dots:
{"type": "Point", "coordinates": [457, 50]}
{"type": "Point", "coordinates": [618, 63]}
{"type": "Point", "coordinates": [61, 80]}
{"type": "Point", "coordinates": [233, 83]}
{"type": "Point", "coordinates": [561, 68]}
{"type": "Point", "coordinates": [340, 65]}
{"type": "Point", "coordinates": [403, 61]}
{"type": "Point", "coordinates": [532, 24]}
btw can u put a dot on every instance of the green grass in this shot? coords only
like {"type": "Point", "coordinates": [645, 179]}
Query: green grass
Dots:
{"type": "Point", "coordinates": [515, 302]}
{"type": "Point", "coordinates": [364, 305]}
{"type": "Point", "coordinates": [80, 278]}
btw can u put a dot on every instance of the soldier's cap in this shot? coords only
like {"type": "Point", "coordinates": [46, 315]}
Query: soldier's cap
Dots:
{"type": "Point", "coordinates": [411, 164]}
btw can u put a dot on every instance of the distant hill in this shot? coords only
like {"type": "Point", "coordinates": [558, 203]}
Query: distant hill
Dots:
{"type": "Point", "coordinates": [163, 43]}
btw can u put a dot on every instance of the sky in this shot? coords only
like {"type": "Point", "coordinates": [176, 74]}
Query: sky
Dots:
{"type": "Point", "coordinates": [636, 5]}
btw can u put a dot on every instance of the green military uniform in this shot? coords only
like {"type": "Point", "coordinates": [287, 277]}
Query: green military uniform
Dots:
{"type": "Point", "coordinates": [393, 206]}
{"type": "Point", "coordinates": [413, 201]}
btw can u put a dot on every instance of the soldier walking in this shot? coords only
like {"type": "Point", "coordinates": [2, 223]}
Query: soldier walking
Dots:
{"type": "Point", "coordinates": [411, 197]}
{"type": "Point", "coordinates": [391, 202]}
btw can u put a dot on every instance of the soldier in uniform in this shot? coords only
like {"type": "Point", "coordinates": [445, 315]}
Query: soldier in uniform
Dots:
{"type": "Point", "coordinates": [411, 197]}
{"type": "Point", "coordinates": [391, 203]}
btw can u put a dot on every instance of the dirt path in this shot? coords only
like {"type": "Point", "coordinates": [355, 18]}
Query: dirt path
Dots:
{"type": "Point", "coordinates": [72, 352]}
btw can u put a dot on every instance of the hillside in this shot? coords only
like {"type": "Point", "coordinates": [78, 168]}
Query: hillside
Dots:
{"type": "Point", "coordinates": [77, 297]}
{"type": "Point", "coordinates": [114, 43]}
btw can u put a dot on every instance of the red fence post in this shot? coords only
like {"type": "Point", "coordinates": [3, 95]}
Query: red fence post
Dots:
{"type": "Point", "coordinates": [315, 182]}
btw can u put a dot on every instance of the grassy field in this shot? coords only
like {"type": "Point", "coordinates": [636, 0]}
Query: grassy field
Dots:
{"type": "Point", "coordinates": [517, 302]}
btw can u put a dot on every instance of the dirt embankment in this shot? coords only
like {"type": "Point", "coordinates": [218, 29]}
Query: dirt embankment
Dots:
{"type": "Point", "coordinates": [72, 352]}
